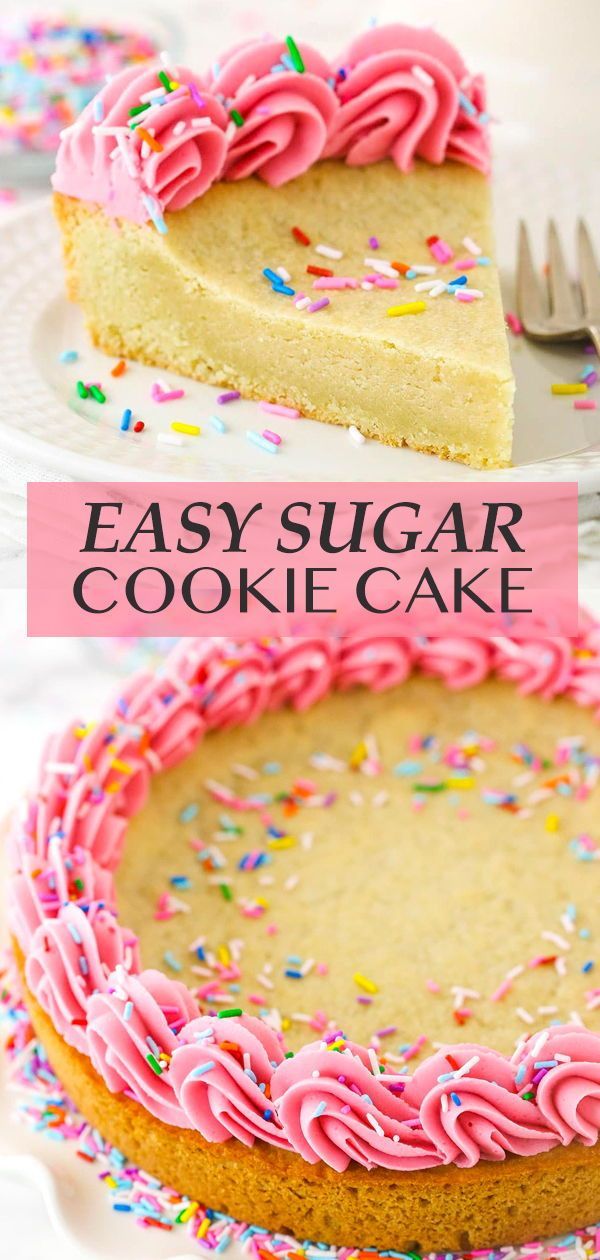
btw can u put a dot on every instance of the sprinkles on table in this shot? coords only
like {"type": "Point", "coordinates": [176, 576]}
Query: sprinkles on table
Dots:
{"type": "Point", "coordinates": [579, 389]}
{"type": "Point", "coordinates": [51, 67]}
{"type": "Point", "coordinates": [268, 440]}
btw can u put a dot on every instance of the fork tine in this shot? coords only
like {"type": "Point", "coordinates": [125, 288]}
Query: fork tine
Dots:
{"type": "Point", "coordinates": [531, 302]}
{"type": "Point", "coordinates": [589, 273]}
{"type": "Point", "coordinates": [562, 297]}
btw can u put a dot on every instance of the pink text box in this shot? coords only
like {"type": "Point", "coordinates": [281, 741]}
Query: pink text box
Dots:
{"type": "Point", "coordinates": [278, 558]}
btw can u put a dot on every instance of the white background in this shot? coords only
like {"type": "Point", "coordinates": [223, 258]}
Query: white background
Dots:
{"type": "Point", "coordinates": [42, 682]}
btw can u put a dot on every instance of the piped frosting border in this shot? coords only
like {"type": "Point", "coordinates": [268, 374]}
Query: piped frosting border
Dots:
{"type": "Point", "coordinates": [332, 1101]}
{"type": "Point", "coordinates": [156, 139]}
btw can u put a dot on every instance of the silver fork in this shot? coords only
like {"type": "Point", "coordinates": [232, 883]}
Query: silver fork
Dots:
{"type": "Point", "coordinates": [560, 311]}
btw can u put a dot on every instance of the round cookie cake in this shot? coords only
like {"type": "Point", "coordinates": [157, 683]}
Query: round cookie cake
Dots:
{"type": "Point", "coordinates": [349, 992]}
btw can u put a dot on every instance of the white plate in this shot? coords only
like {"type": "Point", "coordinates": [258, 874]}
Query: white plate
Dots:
{"type": "Point", "coordinates": [42, 419]}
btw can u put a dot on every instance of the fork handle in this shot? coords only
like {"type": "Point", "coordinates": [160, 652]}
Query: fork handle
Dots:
{"type": "Point", "coordinates": [594, 332]}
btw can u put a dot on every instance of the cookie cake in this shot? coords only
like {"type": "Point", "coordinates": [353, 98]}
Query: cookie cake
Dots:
{"type": "Point", "coordinates": [313, 234]}
{"type": "Point", "coordinates": [308, 929]}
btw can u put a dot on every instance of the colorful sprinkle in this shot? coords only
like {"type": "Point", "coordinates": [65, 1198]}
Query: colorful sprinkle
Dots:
{"type": "Point", "coordinates": [572, 387]}
{"type": "Point", "coordinates": [192, 430]}
{"type": "Point", "coordinates": [407, 308]}
{"type": "Point", "coordinates": [258, 440]}
{"type": "Point", "coordinates": [278, 409]}
{"type": "Point", "coordinates": [364, 983]}
{"type": "Point", "coordinates": [295, 55]}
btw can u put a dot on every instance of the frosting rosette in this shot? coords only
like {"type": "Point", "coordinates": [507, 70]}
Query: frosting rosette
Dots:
{"type": "Point", "coordinates": [374, 661]}
{"type": "Point", "coordinates": [166, 711]}
{"type": "Point", "coordinates": [41, 887]}
{"type": "Point", "coordinates": [236, 688]}
{"type": "Point", "coordinates": [565, 1069]}
{"type": "Point", "coordinates": [402, 95]}
{"type": "Point", "coordinates": [93, 779]}
{"type": "Point", "coordinates": [230, 681]}
{"type": "Point", "coordinates": [468, 141]}
{"type": "Point", "coordinates": [536, 666]}
{"type": "Point", "coordinates": [221, 1076]}
{"type": "Point", "coordinates": [304, 672]}
{"type": "Point", "coordinates": [110, 785]}
{"type": "Point", "coordinates": [333, 1109]}
{"type": "Point", "coordinates": [191, 659]}
{"type": "Point", "coordinates": [281, 115]}
{"type": "Point", "coordinates": [459, 662]}
{"type": "Point", "coordinates": [69, 959]}
{"type": "Point", "coordinates": [138, 140]}
{"type": "Point", "coordinates": [130, 1028]}
{"type": "Point", "coordinates": [584, 686]}
{"type": "Point", "coordinates": [478, 1114]}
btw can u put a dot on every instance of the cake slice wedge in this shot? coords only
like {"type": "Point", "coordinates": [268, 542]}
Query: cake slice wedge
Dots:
{"type": "Point", "coordinates": [301, 291]}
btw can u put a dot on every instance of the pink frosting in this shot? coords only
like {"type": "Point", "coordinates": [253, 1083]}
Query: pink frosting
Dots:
{"type": "Point", "coordinates": [62, 854]}
{"type": "Point", "coordinates": [333, 1109]}
{"type": "Point", "coordinates": [40, 887]}
{"type": "Point", "coordinates": [459, 662]}
{"type": "Point", "coordinates": [191, 156]}
{"type": "Point", "coordinates": [468, 141]}
{"type": "Point", "coordinates": [120, 1023]}
{"type": "Point", "coordinates": [305, 670]}
{"type": "Point", "coordinates": [400, 92]}
{"type": "Point", "coordinates": [372, 661]}
{"type": "Point", "coordinates": [237, 688]}
{"type": "Point", "coordinates": [584, 684]}
{"type": "Point", "coordinates": [479, 1115]}
{"type": "Point", "coordinates": [568, 1096]}
{"type": "Point", "coordinates": [166, 711]}
{"type": "Point", "coordinates": [69, 959]}
{"type": "Point", "coordinates": [217, 1076]}
{"type": "Point", "coordinates": [286, 115]}
{"type": "Point", "coordinates": [538, 667]}
{"type": "Point", "coordinates": [397, 93]}
{"type": "Point", "coordinates": [92, 783]}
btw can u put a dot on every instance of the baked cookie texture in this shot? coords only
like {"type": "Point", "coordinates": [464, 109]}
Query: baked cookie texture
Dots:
{"type": "Point", "coordinates": [495, 1152]}
{"type": "Point", "coordinates": [258, 226]}
{"type": "Point", "coordinates": [410, 875]}
{"type": "Point", "coordinates": [195, 301]}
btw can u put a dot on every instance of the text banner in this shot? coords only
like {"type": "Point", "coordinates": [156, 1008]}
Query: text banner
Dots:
{"type": "Point", "coordinates": [279, 558]}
